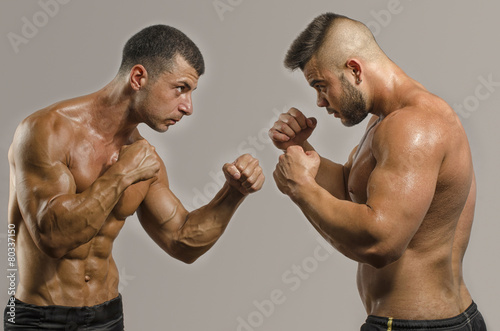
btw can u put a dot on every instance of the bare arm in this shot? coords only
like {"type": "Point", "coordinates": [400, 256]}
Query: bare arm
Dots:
{"type": "Point", "coordinates": [59, 219]}
{"type": "Point", "coordinates": [293, 129]}
{"type": "Point", "coordinates": [400, 191]}
{"type": "Point", "coordinates": [188, 235]}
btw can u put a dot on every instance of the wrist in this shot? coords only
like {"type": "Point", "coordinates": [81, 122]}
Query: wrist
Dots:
{"type": "Point", "coordinates": [117, 175]}
{"type": "Point", "coordinates": [306, 146]}
{"type": "Point", "coordinates": [234, 192]}
{"type": "Point", "coordinates": [300, 190]}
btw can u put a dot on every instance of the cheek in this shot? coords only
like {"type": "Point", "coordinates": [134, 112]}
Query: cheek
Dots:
{"type": "Point", "coordinates": [162, 104]}
{"type": "Point", "coordinates": [332, 98]}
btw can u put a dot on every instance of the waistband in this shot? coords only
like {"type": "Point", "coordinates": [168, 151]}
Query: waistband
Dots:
{"type": "Point", "coordinates": [100, 313]}
{"type": "Point", "coordinates": [458, 320]}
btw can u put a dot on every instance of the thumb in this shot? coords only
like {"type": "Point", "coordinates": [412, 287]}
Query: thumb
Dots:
{"type": "Point", "coordinates": [312, 154]}
{"type": "Point", "coordinates": [231, 170]}
{"type": "Point", "coordinates": [311, 122]}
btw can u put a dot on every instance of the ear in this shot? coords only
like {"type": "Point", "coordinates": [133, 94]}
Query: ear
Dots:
{"type": "Point", "coordinates": [138, 77]}
{"type": "Point", "coordinates": [354, 67]}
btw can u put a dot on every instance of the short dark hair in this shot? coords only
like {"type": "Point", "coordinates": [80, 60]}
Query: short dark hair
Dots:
{"type": "Point", "coordinates": [309, 41]}
{"type": "Point", "coordinates": [156, 47]}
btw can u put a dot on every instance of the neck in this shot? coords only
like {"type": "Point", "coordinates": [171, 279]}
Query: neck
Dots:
{"type": "Point", "coordinates": [113, 118]}
{"type": "Point", "coordinates": [391, 88]}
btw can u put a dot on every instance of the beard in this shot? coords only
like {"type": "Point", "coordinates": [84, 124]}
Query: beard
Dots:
{"type": "Point", "coordinates": [352, 103]}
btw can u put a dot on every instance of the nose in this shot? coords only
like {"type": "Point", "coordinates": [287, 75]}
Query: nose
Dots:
{"type": "Point", "coordinates": [321, 102]}
{"type": "Point", "coordinates": [186, 104]}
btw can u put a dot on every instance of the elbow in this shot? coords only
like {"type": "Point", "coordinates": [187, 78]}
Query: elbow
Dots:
{"type": "Point", "coordinates": [380, 249]}
{"type": "Point", "coordinates": [50, 249]}
{"type": "Point", "coordinates": [381, 255]}
{"type": "Point", "coordinates": [184, 253]}
{"type": "Point", "coordinates": [48, 241]}
{"type": "Point", "coordinates": [53, 245]}
{"type": "Point", "coordinates": [187, 260]}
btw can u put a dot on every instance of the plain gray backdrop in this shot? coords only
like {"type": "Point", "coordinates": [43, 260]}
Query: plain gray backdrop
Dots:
{"type": "Point", "coordinates": [450, 46]}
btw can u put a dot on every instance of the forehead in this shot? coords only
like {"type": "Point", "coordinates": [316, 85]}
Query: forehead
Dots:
{"type": "Point", "coordinates": [315, 70]}
{"type": "Point", "coordinates": [311, 69]}
{"type": "Point", "coordinates": [181, 70]}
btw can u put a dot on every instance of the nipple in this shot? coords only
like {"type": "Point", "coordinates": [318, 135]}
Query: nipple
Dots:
{"type": "Point", "coordinates": [87, 278]}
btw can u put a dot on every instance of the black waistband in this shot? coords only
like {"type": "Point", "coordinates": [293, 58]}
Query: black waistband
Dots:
{"type": "Point", "coordinates": [459, 320]}
{"type": "Point", "coordinates": [97, 314]}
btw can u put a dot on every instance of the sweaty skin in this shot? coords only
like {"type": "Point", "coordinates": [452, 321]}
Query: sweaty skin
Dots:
{"type": "Point", "coordinates": [80, 167]}
{"type": "Point", "coordinates": [402, 205]}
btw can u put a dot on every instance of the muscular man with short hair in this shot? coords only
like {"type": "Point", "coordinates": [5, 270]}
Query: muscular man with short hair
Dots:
{"type": "Point", "coordinates": [80, 167]}
{"type": "Point", "coordinates": [403, 204]}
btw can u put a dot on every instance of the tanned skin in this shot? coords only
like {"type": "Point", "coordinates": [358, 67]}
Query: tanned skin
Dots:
{"type": "Point", "coordinates": [402, 205]}
{"type": "Point", "coordinates": [80, 167]}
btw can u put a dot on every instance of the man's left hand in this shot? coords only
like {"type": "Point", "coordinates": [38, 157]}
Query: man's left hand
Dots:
{"type": "Point", "coordinates": [244, 174]}
{"type": "Point", "coordinates": [295, 167]}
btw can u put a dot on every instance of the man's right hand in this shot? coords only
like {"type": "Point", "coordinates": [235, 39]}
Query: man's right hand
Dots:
{"type": "Point", "coordinates": [292, 128]}
{"type": "Point", "coordinates": [139, 161]}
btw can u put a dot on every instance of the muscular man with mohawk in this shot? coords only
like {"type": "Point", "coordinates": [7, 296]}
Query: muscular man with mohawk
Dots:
{"type": "Point", "coordinates": [402, 205]}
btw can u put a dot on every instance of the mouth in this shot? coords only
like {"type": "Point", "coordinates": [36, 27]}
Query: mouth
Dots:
{"type": "Point", "coordinates": [333, 112]}
{"type": "Point", "coordinates": [173, 121]}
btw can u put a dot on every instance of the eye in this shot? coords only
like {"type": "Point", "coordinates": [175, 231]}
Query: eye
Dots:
{"type": "Point", "coordinates": [319, 88]}
{"type": "Point", "coordinates": [180, 89]}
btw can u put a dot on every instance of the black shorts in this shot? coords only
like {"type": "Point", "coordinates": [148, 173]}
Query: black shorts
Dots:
{"type": "Point", "coordinates": [470, 320]}
{"type": "Point", "coordinates": [107, 316]}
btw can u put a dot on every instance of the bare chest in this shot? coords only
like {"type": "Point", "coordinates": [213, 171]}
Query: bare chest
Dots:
{"type": "Point", "coordinates": [362, 166]}
{"type": "Point", "coordinates": [89, 161]}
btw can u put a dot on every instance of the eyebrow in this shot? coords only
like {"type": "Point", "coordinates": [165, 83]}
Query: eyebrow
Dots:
{"type": "Point", "coordinates": [186, 84]}
{"type": "Point", "coordinates": [316, 81]}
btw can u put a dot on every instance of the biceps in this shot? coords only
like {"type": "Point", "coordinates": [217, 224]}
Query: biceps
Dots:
{"type": "Point", "coordinates": [401, 195]}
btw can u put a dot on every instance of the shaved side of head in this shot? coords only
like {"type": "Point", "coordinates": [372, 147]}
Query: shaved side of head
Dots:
{"type": "Point", "coordinates": [346, 39]}
{"type": "Point", "coordinates": [333, 39]}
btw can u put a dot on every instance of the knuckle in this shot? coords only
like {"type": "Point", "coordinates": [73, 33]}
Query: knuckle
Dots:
{"type": "Point", "coordinates": [283, 126]}
{"type": "Point", "coordinates": [247, 173]}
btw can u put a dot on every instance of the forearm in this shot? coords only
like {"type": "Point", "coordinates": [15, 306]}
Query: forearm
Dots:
{"type": "Point", "coordinates": [350, 227]}
{"type": "Point", "coordinates": [71, 220]}
{"type": "Point", "coordinates": [204, 226]}
{"type": "Point", "coordinates": [330, 176]}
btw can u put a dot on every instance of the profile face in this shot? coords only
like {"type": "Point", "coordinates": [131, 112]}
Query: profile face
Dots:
{"type": "Point", "coordinates": [336, 94]}
{"type": "Point", "coordinates": [169, 97]}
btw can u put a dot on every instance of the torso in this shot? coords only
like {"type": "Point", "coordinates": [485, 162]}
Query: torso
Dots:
{"type": "Point", "coordinates": [426, 282]}
{"type": "Point", "coordinates": [86, 275]}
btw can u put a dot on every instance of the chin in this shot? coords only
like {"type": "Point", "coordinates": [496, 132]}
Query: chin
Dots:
{"type": "Point", "coordinates": [161, 129]}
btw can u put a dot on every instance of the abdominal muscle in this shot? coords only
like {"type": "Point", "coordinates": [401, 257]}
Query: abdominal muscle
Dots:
{"type": "Point", "coordinates": [85, 276]}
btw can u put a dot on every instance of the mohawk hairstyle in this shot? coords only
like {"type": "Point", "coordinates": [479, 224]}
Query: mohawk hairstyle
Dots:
{"type": "Point", "coordinates": [309, 41]}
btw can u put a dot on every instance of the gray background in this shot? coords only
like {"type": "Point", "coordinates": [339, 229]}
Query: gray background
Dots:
{"type": "Point", "coordinates": [446, 45]}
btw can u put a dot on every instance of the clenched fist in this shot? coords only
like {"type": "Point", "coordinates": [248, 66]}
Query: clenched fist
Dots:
{"type": "Point", "coordinates": [244, 174]}
{"type": "Point", "coordinates": [292, 128]}
{"type": "Point", "coordinates": [139, 161]}
{"type": "Point", "coordinates": [294, 169]}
